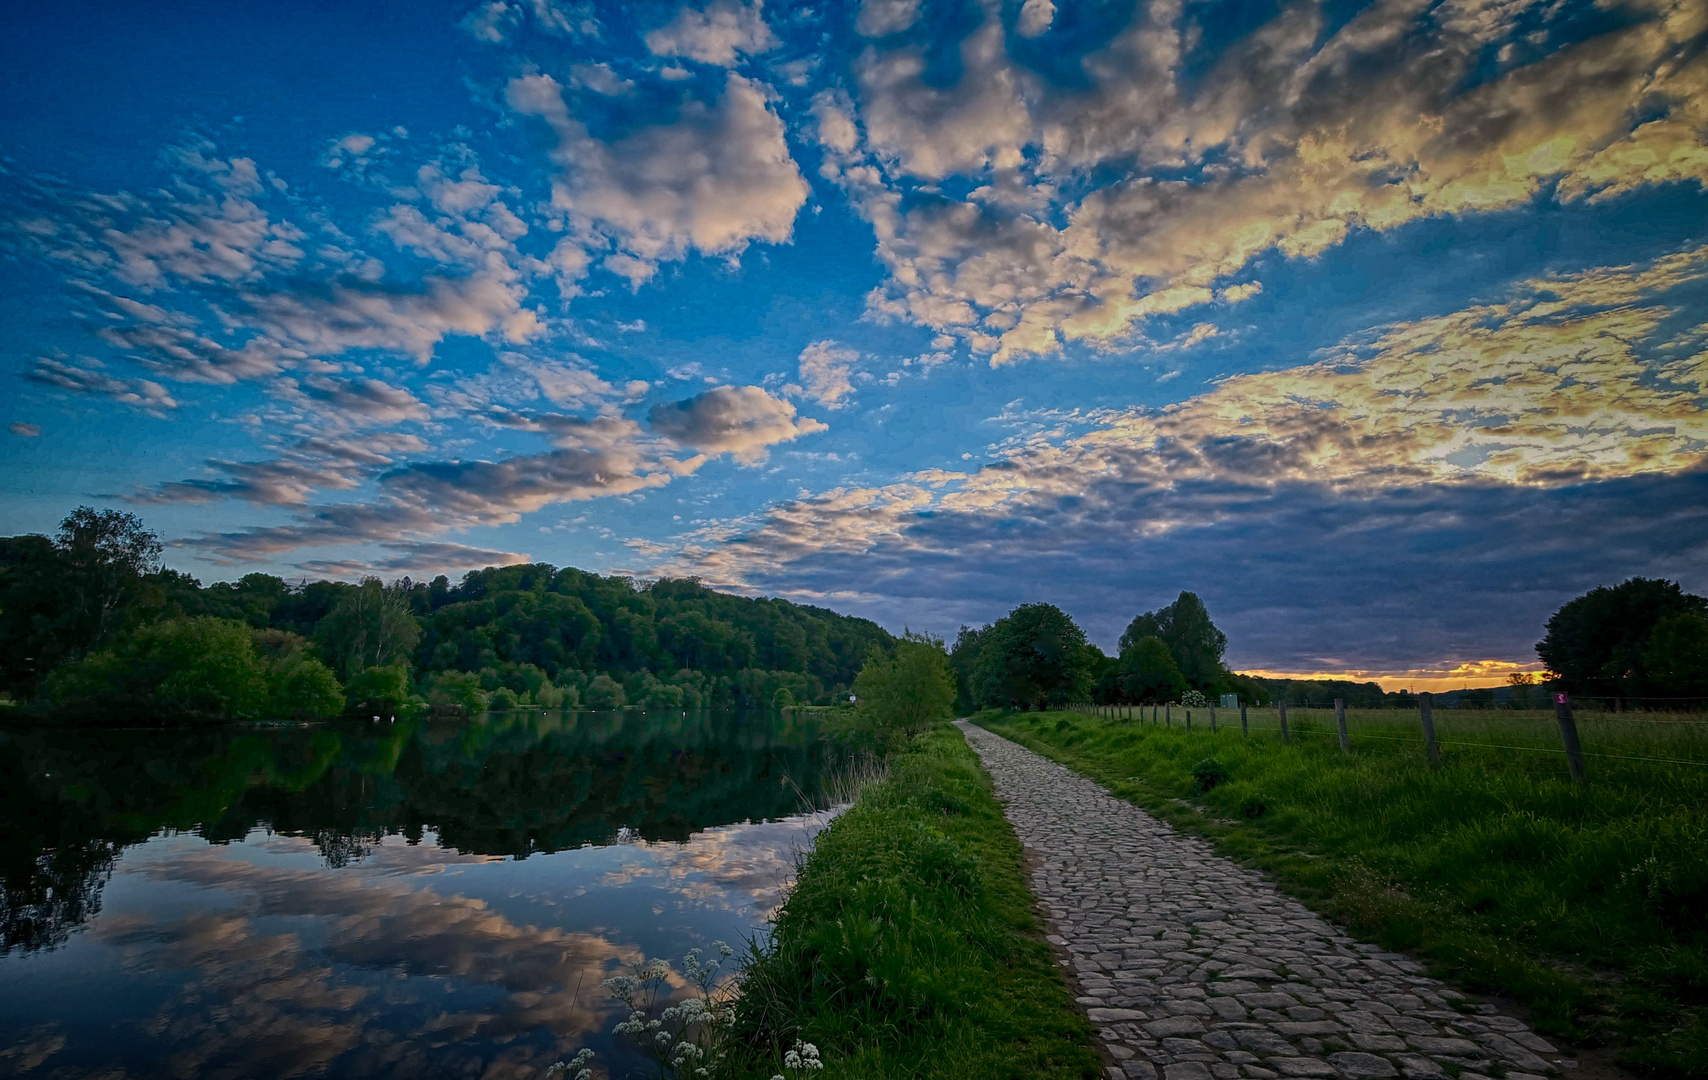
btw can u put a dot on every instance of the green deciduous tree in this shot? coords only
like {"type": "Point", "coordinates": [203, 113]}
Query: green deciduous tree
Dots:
{"type": "Point", "coordinates": [904, 691]}
{"type": "Point", "coordinates": [200, 667]}
{"type": "Point", "coordinates": [1677, 655]}
{"type": "Point", "coordinates": [1599, 642]}
{"type": "Point", "coordinates": [1149, 673]}
{"type": "Point", "coordinates": [1033, 657]}
{"type": "Point", "coordinates": [1192, 639]}
{"type": "Point", "coordinates": [372, 626]}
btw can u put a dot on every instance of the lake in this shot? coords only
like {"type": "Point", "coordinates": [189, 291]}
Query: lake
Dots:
{"type": "Point", "coordinates": [415, 899]}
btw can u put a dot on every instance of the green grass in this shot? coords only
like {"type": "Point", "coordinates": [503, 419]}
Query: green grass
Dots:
{"type": "Point", "coordinates": [1590, 905]}
{"type": "Point", "coordinates": [909, 947]}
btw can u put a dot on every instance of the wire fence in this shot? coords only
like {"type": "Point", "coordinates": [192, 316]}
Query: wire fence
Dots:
{"type": "Point", "coordinates": [1563, 731]}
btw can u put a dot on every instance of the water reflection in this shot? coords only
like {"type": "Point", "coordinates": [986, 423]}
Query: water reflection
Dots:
{"type": "Point", "coordinates": [429, 900]}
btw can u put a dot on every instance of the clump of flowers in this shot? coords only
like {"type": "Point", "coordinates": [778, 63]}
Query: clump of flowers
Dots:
{"type": "Point", "coordinates": [801, 1061]}
{"type": "Point", "coordinates": [683, 1039]}
{"type": "Point", "coordinates": [1195, 699]}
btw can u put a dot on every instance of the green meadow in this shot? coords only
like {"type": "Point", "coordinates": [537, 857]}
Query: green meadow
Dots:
{"type": "Point", "coordinates": [1586, 903]}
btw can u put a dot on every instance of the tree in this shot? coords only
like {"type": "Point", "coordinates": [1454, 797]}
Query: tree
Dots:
{"type": "Point", "coordinates": [1193, 640]}
{"type": "Point", "coordinates": [200, 667]}
{"type": "Point", "coordinates": [1599, 642]}
{"type": "Point", "coordinates": [962, 659]}
{"type": "Point", "coordinates": [1033, 657]}
{"type": "Point", "coordinates": [1677, 655]}
{"type": "Point", "coordinates": [906, 690]}
{"type": "Point", "coordinates": [370, 627]}
{"type": "Point", "coordinates": [1149, 673]}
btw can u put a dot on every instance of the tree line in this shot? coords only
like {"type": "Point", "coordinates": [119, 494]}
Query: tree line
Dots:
{"type": "Point", "coordinates": [92, 626]}
{"type": "Point", "coordinates": [1643, 639]}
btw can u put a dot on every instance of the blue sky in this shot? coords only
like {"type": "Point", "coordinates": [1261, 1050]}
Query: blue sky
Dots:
{"type": "Point", "coordinates": [1381, 326]}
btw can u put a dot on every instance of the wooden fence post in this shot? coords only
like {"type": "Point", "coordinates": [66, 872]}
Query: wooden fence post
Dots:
{"type": "Point", "coordinates": [1340, 722]}
{"type": "Point", "coordinates": [1244, 728]}
{"type": "Point", "coordinates": [1426, 710]}
{"type": "Point", "coordinates": [1212, 719]}
{"type": "Point", "coordinates": [1569, 736]}
{"type": "Point", "coordinates": [1282, 705]}
{"type": "Point", "coordinates": [1188, 719]}
{"type": "Point", "coordinates": [1168, 715]}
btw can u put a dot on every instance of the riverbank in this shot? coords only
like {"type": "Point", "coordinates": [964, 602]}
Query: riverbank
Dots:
{"type": "Point", "coordinates": [1590, 906]}
{"type": "Point", "coordinates": [909, 946]}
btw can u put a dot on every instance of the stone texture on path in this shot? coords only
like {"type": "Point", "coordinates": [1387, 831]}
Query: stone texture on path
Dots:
{"type": "Point", "coordinates": [1196, 968]}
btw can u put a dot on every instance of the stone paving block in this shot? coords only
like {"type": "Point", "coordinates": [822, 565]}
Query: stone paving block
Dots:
{"type": "Point", "coordinates": [1175, 1025]}
{"type": "Point", "coordinates": [1357, 1066]}
{"type": "Point", "coordinates": [1155, 920]}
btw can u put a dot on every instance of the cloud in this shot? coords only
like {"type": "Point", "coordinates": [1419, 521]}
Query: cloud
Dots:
{"type": "Point", "coordinates": [267, 483]}
{"type": "Point", "coordinates": [23, 430]}
{"type": "Point", "coordinates": [713, 181]}
{"type": "Point", "coordinates": [365, 400]}
{"type": "Point", "coordinates": [208, 228]}
{"type": "Point", "coordinates": [90, 379]}
{"type": "Point", "coordinates": [357, 315]}
{"type": "Point", "coordinates": [491, 22]}
{"type": "Point", "coordinates": [606, 455]}
{"type": "Point", "coordinates": [739, 420]}
{"type": "Point", "coordinates": [880, 18]}
{"type": "Point", "coordinates": [1289, 141]}
{"type": "Point", "coordinates": [309, 465]}
{"type": "Point", "coordinates": [1505, 448]}
{"type": "Point", "coordinates": [418, 559]}
{"type": "Point", "coordinates": [824, 370]}
{"type": "Point", "coordinates": [1035, 18]}
{"type": "Point", "coordinates": [720, 33]}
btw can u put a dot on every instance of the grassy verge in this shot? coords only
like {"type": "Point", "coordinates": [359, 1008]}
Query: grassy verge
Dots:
{"type": "Point", "coordinates": [909, 947]}
{"type": "Point", "coordinates": [1590, 905]}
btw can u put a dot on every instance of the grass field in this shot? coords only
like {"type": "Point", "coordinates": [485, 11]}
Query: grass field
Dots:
{"type": "Point", "coordinates": [908, 946]}
{"type": "Point", "coordinates": [1588, 903]}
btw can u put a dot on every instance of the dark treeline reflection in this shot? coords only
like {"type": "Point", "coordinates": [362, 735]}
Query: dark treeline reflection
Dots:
{"type": "Point", "coordinates": [513, 786]}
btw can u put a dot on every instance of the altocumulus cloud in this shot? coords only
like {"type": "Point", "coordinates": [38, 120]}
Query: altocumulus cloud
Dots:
{"type": "Point", "coordinates": [1505, 449]}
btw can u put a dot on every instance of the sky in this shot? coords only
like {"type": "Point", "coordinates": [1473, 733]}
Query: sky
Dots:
{"type": "Point", "coordinates": [1383, 327]}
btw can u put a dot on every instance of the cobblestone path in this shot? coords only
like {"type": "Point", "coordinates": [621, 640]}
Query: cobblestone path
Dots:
{"type": "Point", "coordinates": [1194, 967]}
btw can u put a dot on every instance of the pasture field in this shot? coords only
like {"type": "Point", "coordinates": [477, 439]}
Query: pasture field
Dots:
{"type": "Point", "coordinates": [1587, 903]}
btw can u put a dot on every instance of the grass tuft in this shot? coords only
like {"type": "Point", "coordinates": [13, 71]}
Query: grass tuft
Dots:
{"type": "Point", "coordinates": [909, 946]}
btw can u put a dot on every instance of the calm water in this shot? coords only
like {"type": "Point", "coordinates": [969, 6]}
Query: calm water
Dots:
{"type": "Point", "coordinates": [375, 900]}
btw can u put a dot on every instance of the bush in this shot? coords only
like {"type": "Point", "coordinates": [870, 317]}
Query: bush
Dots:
{"type": "Point", "coordinates": [1207, 774]}
{"type": "Point", "coordinates": [605, 692]}
{"type": "Point", "coordinates": [503, 699]}
{"type": "Point", "coordinates": [302, 686]}
{"type": "Point", "coordinates": [386, 686]}
{"type": "Point", "coordinates": [904, 692]}
{"type": "Point", "coordinates": [457, 690]}
{"type": "Point", "coordinates": [183, 668]}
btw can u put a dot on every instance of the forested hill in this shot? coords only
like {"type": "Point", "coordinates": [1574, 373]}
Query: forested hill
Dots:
{"type": "Point", "coordinates": [572, 625]}
{"type": "Point", "coordinates": [544, 634]}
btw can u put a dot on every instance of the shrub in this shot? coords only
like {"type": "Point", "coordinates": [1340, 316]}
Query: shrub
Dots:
{"type": "Point", "coordinates": [503, 699]}
{"type": "Point", "coordinates": [202, 667]}
{"type": "Point", "coordinates": [303, 686]}
{"type": "Point", "coordinates": [388, 685]}
{"type": "Point", "coordinates": [605, 692]}
{"type": "Point", "coordinates": [1207, 774]}
{"type": "Point", "coordinates": [458, 690]}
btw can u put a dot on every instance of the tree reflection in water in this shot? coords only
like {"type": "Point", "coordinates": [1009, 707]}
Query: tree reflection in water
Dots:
{"type": "Point", "coordinates": [72, 801]}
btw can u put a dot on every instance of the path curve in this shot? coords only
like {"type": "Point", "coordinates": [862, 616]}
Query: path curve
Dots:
{"type": "Point", "coordinates": [1195, 967]}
